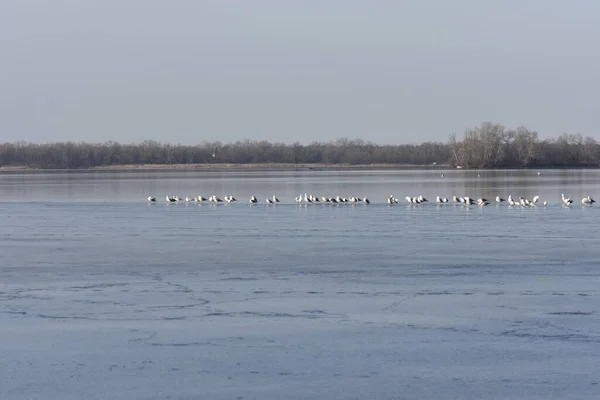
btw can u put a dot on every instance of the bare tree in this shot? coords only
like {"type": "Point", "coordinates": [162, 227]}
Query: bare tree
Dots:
{"type": "Point", "coordinates": [525, 142]}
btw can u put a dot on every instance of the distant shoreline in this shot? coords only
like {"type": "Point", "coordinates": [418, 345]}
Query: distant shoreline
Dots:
{"type": "Point", "coordinates": [274, 166]}
{"type": "Point", "coordinates": [267, 166]}
{"type": "Point", "coordinates": [236, 166]}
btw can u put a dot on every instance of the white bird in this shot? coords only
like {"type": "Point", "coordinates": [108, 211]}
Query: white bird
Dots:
{"type": "Point", "coordinates": [170, 199]}
{"type": "Point", "coordinates": [366, 201]}
{"type": "Point", "coordinates": [588, 200]}
{"type": "Point", "coordinates": [269, 201]}
{"type": "Point", "coordinates": [523, 201]}
{"type": "Point", "coordinates": [151, 199]}
{"type": "Point", "coordinates": [499, 199]}
{"type": "Point", "coordinates": [482, 202]}
{"type": "Point", "coordinates": [535, 199]}
{"type": "Point", "coordinates": [566, 201]}
{"type": "Point", "coordinates": [298, 199]}
{"type": "Point", "coordinates": [545, 203]}
{"type": "Point", "coordinates": [200, 199]}
{"type": "Point", "coordinates": [230, 199]}
{"type": "Point", "coordinates": [422, 199]}
{"type": "Point", "coordinates": [188, 199]}
{"type": "Point", "coordinates": [307, 199]}
{"type": "Point", "coordinates": [275, 199]}
{"type": "Point", "coordinates": [253, 200]}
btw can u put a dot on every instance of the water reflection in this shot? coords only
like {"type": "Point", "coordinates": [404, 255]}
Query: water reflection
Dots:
{"type": "Point", "coordinates": [136, 186]}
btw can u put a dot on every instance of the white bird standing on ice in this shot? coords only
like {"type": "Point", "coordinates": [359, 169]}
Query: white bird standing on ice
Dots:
{"type": "Point", "coordinates": [151, 199]}
{"type": "Point", "coordinates": [269, 201]}
{"type": "Point", "coordinates": [499, 199]}
{"type": "Point", "coordinates": [588, 201]}
{"type": "Point", "coordinates": [275, 199]}
{"type": "Point", "coordinates": [523, 201]}
{"type": "Point", "coordinates": [170, 199]}
{"type": "Point", "coordinates": [253, 200]}
{"type": "Point", "coordinates": [468, 200]}
{"type": "Point", "coordinates": [566, 201]}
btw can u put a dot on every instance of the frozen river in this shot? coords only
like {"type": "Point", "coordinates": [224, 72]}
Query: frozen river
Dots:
{"type": "Point", "coordinates": [103, 296]}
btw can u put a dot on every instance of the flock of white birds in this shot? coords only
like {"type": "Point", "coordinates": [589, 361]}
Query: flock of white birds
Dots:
{"type": "Point", "coordinates": [391, 200]}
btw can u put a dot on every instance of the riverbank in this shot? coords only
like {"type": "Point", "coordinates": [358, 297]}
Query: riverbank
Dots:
{"type": "Point", "coordinates": [239, 166]}
{"type": "Point", "coordinates": [263, 166]}
{"type": "Point", "coordinates": [154, 167]}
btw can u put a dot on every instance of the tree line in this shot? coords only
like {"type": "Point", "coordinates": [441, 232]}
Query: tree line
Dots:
{"type": "Point", "coordinates": [486, 146]}
{"type": "Point", "coordinates": [494, 146]}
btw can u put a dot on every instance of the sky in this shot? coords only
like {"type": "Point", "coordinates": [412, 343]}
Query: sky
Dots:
{"type": "Point", "coordinates": [392, 72]}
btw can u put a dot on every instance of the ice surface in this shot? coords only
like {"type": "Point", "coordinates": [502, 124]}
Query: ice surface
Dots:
{"type": "Point", "coordinates": [129, 301]}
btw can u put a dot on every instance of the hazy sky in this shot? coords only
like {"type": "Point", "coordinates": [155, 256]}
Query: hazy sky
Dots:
{"type": "Point", "coordinates": [388, 71]}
